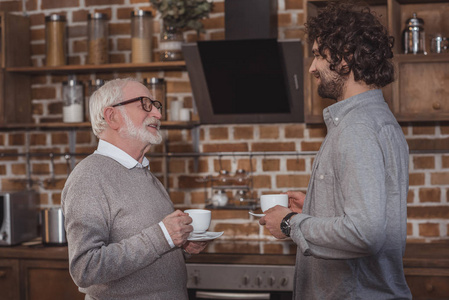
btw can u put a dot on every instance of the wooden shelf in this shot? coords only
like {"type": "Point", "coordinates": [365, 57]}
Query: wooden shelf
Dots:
{"type": "Point", "coordinates": [106, 68]}
{"type": "Point", "coordinates": [87, 125]}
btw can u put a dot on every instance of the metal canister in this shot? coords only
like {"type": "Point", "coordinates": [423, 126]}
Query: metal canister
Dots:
{"type": "Point", "coordinates": [53, 232]}
{"type": "Point", "coordinates": [413, 36]}
{"type": "Point", "coordinates": [439, 44]}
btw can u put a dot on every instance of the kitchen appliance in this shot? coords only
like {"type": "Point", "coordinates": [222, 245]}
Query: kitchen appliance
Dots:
{"type": "Point", "coordinates": [18, 217]}
{"type": "Point", "coordinates": [235, 281]}
{"type": "Point", "coordinates": [413, 36]}
{"type": "Point", "coordinates": [250, 77]}
{"type": "Point", "coordinates": [53, 232]}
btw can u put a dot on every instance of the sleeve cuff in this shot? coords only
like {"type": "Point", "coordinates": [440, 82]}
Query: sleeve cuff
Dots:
{"type": "Point", "coordinates": [166, 234]}
{"type": "Point", "coordinates": [296, 233]}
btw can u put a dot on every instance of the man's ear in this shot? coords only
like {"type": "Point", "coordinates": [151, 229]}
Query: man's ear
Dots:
{"type": "Point", "coordinates": [112, 117]}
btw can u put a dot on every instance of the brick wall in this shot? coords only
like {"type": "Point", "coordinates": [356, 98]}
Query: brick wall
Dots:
{"type": "Point", "coordinates": [428, 201]}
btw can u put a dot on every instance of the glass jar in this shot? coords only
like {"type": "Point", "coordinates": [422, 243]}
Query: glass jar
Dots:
{"type": "Point", "coordinates": [141, 36]}
{"type": "Point", "coordinates": [170, 44]}
{"type": "Point", "coordinates": [97, 35]}
{"type": "Point", "coordinates": [73, 101]}
{"type": "Point", "coordinates": [220, 198]}
{"type": "Point", "coordinates": [92, 86]}
{"type": "Point", "coordinates": [157, 88]}
{"type": "Point", "coordinates": [56, 40]}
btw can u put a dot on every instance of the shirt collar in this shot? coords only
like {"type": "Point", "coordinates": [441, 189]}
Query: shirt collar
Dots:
{"type": "Point", "coordinates": [117, 154]}
{"type": "Point", "coordinates": [335, 113]}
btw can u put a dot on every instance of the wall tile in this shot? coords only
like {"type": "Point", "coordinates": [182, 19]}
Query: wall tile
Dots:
{"type": "Point", "coordinates": [429, 194]}
{"type": "Point", "coordinates": [297, 164]}
{"type": "Point", "coordinates": [52, 4]}
{"type": "Point", "coordinates": [439, 178]}
{"type": "Point", "coordinates": [294, 131]}
{"type": "Point", "coordinates": [276, 146]}
{"type": "Point", "coordinates": [269, 132]}
{"type": "Point", "coordinates": [292, 181]}
{"type": "Point", "coordinates": [244, 133]}
{"type": "Point", "coordinates": [424, 162]}
{"type": "Point", "coordinates": [270, 165]}
{"type": "Point", "coordinates": [429, 229]}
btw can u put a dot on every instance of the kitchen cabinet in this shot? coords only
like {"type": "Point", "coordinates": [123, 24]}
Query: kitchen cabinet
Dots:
{"type": "Point", "coordinates": [9, 279]}
{"type": "Point", "coordinates": [421, 89]}
{"type": "Point", "coordinates": [36, 273]}
{"type": "Point", "coordinates": [15, 89]}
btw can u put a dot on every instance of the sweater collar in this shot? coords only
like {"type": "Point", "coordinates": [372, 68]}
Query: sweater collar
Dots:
{"type": "Point", "coordinates": [107, 149]}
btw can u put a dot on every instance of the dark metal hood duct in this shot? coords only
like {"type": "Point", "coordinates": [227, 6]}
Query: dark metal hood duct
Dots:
{"type": "Point", "coordinates": [250, 77]}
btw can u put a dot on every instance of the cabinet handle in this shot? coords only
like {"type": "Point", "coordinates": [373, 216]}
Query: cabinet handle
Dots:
{"type": "Point", "coordinates": [436, 106]}
{"type": "Point", "coordinates": [429, 287]}
{"type": "Point", "coordinates": [2, 274]}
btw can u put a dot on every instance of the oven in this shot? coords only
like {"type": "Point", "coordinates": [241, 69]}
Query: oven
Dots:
{"type": "Point", "coordinates": [240, 281]}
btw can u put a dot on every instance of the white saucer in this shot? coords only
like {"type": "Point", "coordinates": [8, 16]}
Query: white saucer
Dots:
{"type": "Point", "coordinates": [206, 236]}
{"type": "Point", "coordinates": [256, 215]}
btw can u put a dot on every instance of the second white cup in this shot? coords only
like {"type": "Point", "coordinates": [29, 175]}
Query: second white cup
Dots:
{"type": "Point", "coordinates": [269, 201]}
{"type": "Point", "coordinates": [201, 219]}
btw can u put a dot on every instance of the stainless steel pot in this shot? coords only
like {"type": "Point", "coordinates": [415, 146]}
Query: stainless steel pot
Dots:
{"type": "Point", "coordinates": [53, 232]}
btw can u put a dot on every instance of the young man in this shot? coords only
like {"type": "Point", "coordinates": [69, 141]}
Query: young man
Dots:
{"type": "Point", "coordinates": [124, 239]}
{"type": "Point", "coordinates": [350, 228]}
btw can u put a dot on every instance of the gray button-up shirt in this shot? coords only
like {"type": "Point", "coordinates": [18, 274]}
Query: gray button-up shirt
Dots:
{"type": "Point", "coordinates": [351, 235]}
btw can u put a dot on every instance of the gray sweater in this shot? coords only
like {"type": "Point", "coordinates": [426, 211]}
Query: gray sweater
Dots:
{"type": "Point", "coordinates": [116, 248]}
{"type": "Point", "coordinates": [351, 235]}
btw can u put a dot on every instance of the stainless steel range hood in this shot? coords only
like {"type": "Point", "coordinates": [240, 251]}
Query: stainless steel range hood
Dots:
{"type": "Point", "coordinates": [250, 77]}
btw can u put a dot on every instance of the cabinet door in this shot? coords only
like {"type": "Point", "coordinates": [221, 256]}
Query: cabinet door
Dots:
{"type": "Point", "coordinates": [422, 91]}
{"type": "Point", "coordinates": [47, 280]}
{"type": "Point", "coordinates": [428, 283]}
{"type": "Point", "coordinates": [9, 279]}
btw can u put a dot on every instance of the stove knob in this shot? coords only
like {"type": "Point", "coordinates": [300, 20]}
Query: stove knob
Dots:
{"type": "Point", "coordinates": [259, 280]}
{"type": "Point", "coordinates": [272, 280]}
{"type": "Point", "coordinates": [284, 281]}
{"type": "Point", "coordinates": [196, 279]}
{"type": "Point", "coordinates": [245, 280]}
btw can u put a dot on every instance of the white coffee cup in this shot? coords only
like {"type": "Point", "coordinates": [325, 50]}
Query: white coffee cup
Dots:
{"type": "Point", "coordinates": [269, 201]}
{"type": "Point", "coordinates": [201, 219]}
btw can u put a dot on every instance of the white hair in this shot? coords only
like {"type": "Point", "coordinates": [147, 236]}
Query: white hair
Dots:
{"type": "Point", "coordinates": [107, 95]}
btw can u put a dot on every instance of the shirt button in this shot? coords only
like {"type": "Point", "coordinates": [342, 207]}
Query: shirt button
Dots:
{"type": "Point", "coordinates": [336, 119]}
{"type": "Point", "coordinates": [321, 176]}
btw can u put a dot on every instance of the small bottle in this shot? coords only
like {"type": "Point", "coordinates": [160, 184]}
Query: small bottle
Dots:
{"type": "Point", "coordinates": [157, 89]}
{"type": "Point", "coordinates": [93, 85]}
{"type": "Point", "coordinates": [141, 36]}
{"type": "Point", "coordinates": [56, 40]}
{"type": "Point", "coordinates": [97, 28]}
{"type": "Point", "coordinates": [73, 101]}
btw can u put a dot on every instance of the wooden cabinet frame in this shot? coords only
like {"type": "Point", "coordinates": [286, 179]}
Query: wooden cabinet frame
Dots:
{"type": "Point", "coordinates": [421, 89]}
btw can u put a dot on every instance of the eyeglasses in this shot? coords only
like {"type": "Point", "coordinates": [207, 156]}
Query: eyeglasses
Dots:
{"type": "Point", "coordinates": [147, 103]}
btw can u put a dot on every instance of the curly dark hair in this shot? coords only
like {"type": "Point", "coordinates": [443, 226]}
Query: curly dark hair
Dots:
{"type": "Point", "coordinates": [353, 33]}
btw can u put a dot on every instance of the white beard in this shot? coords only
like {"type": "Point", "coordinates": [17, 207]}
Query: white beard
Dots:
{"type": "Point", "coordinates": [141, 134]}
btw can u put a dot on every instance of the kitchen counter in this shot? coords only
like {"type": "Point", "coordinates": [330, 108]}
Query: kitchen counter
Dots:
{"type": "Point", "coordinates": [32, 271]}
{"type": "Point", "coordinates": [417, 255]}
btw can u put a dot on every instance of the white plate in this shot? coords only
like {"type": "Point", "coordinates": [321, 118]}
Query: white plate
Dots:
{"type": "Point", "coordinates": [256, 215]}
{"type": "Point", "coordinates": [202, 237]}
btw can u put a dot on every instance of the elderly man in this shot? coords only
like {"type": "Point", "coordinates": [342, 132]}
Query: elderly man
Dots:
{"type": "Point", "coordinates": [125, 240]}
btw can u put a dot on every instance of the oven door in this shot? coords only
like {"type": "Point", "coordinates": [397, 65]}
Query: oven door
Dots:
{"type": "Point", "coordinates": [240, 295]}
{"type": "Point", "coordinates": [229, 281]}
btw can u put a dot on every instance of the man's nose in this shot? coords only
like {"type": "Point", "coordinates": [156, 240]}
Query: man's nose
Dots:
{"type": "Point", "coordinates": [312, 67]}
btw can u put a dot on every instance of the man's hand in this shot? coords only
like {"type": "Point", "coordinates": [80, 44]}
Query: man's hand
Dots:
{"type": "Point", "coordinates": [194, 247]}
{"type": "Point", "coordinates": [296, 200]}
{"type": "Point", "coordinates": [272, 220]}
{"type": "Point", "coordinates": [177, 224]}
